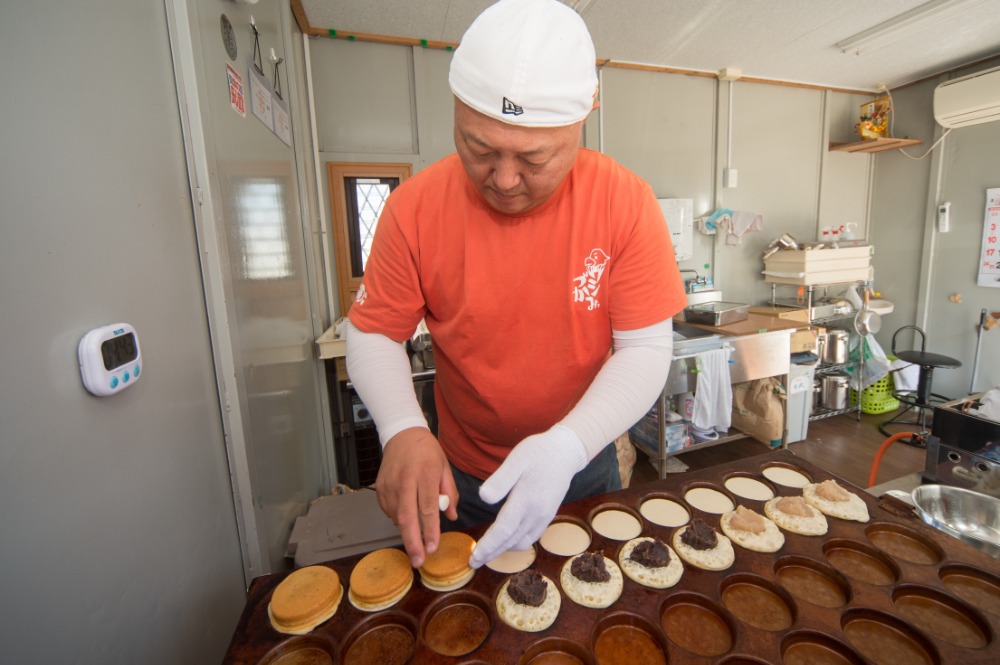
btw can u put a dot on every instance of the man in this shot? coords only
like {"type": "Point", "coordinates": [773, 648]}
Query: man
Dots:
{"type": "Point", "coordinates": [529, 258]}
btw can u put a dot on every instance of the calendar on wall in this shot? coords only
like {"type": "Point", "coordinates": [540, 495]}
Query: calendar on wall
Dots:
{"type": "Point", "coordinates": [989, 261]}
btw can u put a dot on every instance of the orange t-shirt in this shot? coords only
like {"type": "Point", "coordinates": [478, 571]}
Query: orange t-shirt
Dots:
{"type": "Point", "coordinates": [520, 308]}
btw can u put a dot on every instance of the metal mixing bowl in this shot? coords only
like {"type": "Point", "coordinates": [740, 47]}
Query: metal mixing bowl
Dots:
{"type": "Point", "coordinates": [970, 516]}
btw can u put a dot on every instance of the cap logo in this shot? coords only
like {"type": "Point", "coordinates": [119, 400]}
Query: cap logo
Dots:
{"type": "Point", "coordinates": [510, 108]}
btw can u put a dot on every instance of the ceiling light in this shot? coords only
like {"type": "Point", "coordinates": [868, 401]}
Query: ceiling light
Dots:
{"type": "Point", "coordinates": [907, 23]}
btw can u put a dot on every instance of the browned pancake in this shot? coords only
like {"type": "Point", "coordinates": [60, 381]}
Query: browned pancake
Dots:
{"type": "Point", "coordinates": [380, 580]}
{"type": "Point", "coordinates": [448, 567]}
{"type": "Point", "coordinates": [305, 599]}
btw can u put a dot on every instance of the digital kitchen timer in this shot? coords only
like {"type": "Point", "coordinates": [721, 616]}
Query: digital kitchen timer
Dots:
{"type": "Point", "coordinates": [110, 360]}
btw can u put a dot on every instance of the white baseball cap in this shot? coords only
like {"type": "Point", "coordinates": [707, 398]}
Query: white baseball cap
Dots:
{"type": "Point", "coordinates": [528, 63]}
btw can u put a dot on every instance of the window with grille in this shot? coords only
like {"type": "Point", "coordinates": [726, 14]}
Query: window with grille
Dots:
{"type": "Point", "coordinates": [357, 195]}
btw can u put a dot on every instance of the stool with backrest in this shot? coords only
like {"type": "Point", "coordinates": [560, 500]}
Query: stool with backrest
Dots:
{"type": "Point", "coordinates": [922, 399]}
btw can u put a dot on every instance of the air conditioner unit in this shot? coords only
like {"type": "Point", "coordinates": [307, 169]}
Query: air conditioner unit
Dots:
{"type": "Point", "coordinates": [969, 100]}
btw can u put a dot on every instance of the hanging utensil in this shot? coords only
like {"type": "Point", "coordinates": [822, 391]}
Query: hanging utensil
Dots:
{"type": "Point", "coordinates": [867, 321]}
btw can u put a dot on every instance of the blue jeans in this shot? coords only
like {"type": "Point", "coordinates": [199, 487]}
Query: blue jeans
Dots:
{"type": "Point", "coordinates": [598, 477]}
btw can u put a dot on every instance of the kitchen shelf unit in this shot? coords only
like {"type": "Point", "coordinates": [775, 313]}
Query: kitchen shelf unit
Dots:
{"type": "Point", "coordinates": [825, 369]}
{"type": "Point", "coordinates": [873, 145]}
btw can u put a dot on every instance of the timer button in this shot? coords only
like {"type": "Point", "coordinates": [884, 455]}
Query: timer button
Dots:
{"type": "Point", "coordinates": [135, 371]}
{"type": "Point", "coordinates": [125, 377]}
{"type": "Point", "coordinates": [114, 382]}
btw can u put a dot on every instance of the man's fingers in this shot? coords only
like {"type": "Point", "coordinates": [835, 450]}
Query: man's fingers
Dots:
{"type": "Point", "coordinates": [493, 543]}
{"type": "Point", "coordinates": [499, 484]}
{"type": "Point", "coordinates": [430, 519]}
{"type": "Point", "coordinates": [409, 529]}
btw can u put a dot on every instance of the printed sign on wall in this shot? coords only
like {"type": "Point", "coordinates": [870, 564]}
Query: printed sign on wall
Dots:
{"type": "Point", "coordinates": [989, 261]}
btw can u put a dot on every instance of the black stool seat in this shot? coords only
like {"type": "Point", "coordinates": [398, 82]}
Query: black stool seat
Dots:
{"type": "Point", "coordinates": [927, 359]}
{"type": "Point", "coordinates": [922, 399]}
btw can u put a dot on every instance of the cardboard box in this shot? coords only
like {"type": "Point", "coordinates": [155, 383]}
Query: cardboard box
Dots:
{"type": "Point", "coordinates": [336, 526]}
{"type": "Point", "coordinates": [643, 434]}
{"type": "Point", "coordinates": [803, 340]}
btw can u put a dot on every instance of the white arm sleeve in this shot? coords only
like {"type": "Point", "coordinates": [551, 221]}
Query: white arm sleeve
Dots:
{"type": "Point", "coordinates": [380, 372]}
{"type": "Point", "coordinates": [625, 388]}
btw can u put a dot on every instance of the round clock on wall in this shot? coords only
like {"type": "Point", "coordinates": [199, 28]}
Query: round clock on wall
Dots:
{"type": "Point", "coordinates": [228, 37]}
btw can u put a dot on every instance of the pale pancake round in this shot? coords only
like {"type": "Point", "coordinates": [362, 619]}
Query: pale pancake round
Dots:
{"type": "Point", "coordinates": [770, 541]}
{"type": "Point", "coordinates": [719, 557]}
{"type": "Point", "coordinates": [380, 580]}
{"type": "Point", "coordinates": [525, 617]}
{"type": "Point", "coordinates": [785, 477]}
{"type": "Point", "coordinates": [749, 488]}
{"type": "Point", "coordinates": [616, 524]}
{"type": "Point", "coordinates": [592, 594]}
{"type": "Point", "coordinates": [708, 500]}
{"type": "Point", "coordinates": [804, 526]}
{"type": "Point", "coordinates": [664, 512]}
{"type": "Point", "coordinates": [663, 577]}
{"type": "Point", "coordinates": [305, 599]}
{"type": "Point", "coordinates": [512, 561]}
{"type": "Point", "coordinates": [565, 539]}
{"type": "Point", "coordinates": [853, 509]}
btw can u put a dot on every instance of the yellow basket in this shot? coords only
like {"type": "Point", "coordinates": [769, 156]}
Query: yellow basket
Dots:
{"type": "Point", "coordinates": [876, 398]}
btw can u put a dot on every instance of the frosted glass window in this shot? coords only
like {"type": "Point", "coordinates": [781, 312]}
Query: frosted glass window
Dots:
{"type": "Point", "coordinates": [266, 252]}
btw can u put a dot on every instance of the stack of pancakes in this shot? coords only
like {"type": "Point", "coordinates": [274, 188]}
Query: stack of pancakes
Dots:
{"type": "Point", "coordinates": [380, 580]}
{"type": "Point", "coordinates": [448, 567]}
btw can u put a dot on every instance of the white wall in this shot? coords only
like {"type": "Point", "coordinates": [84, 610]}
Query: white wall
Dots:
{"type": "Point", "coordinates": [119, 537]}
{"type": "Point", "coordinates": [922, 270]}
{"type": "Point", "coordinates": [378, 102]}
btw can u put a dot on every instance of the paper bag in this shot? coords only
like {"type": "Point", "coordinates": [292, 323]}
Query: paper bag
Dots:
{"type": "Point", "coordinates": [758, 410]}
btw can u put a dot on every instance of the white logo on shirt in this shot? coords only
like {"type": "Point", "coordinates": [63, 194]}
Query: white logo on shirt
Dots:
{"type": "Point", "coordinates": [360, 296]}
{"type": "Point", "coordinates": [588, 284]}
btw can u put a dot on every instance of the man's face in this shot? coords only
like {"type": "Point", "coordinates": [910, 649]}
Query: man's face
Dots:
{"type": "Point", "coordinates": [514, 168]}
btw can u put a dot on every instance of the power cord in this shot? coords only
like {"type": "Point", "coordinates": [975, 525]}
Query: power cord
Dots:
{"type": "Point", "coordinates": [892, 117]}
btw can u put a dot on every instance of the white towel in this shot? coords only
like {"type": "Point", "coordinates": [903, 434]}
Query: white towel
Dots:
{"type": "Point", "coordinates": [743, 223]}
{"type": "Point", "coordinates": [713, 397]}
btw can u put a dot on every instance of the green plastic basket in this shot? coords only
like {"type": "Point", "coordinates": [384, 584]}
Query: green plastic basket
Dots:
{"type": "Point", "coordinates": [876, 398]}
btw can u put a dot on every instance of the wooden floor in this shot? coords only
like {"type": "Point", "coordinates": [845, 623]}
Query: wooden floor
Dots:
{"type": "Point", "coordinates": [842, 445]}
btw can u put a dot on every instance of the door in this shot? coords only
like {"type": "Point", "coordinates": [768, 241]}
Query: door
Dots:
{"type": "Point", "coordinates": [263, 310]}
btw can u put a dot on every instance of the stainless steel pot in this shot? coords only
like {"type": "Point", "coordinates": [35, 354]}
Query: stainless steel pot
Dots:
{"type": "Point", "coordinates": [835, 391]}
{"type": "Point", "coordinates": [835, 350]}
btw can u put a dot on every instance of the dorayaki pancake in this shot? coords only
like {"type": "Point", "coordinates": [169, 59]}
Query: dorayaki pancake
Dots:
{"type": "Point", "coordinates": [616, 525]}
{"type": "Point", "coordinates": [803, 518]}
{"type": "Point", "coordinates": [380, 580]}
{"type": "Point", "coordinates": [529, 618]}
{"type": "Point", "coordinates": [829, 498]}
{"type": "Point", "coordinates": [592, 594]}
{"type": "Point", "coordinates": [564, 538]}
{"type": "Point", "coordinates": [305, 599]}
{"type": "Point", "coordinates": [655, 577]}
{"type": "Point", "coordinates": [512, 561]}
{"type": "Point", "coordinates": [766, 537]}
{"type": "Point", "coordinates": [448, 567]}
{"type": "Point", "coordinates": [719, 557]}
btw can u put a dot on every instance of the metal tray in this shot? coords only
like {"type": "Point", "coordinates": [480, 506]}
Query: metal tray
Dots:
{"type": "Point", "coordinates": [717, 313]}
{"type": "Point", "coordinates": [841, 594]}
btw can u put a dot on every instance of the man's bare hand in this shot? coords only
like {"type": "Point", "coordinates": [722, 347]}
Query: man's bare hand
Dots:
{"type": "Point", "coordinates": [413, 473]}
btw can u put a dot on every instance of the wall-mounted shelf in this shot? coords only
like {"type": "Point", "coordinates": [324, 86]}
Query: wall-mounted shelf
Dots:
{"type": "Point", "coordinates": [873, 145]}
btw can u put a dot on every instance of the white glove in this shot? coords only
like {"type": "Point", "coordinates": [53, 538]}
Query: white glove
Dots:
{"type": "Point", "coordinates": [535, 478]}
